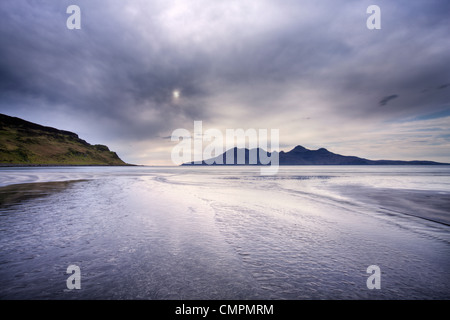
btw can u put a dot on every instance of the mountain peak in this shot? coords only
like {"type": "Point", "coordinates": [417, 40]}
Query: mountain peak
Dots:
{"type": "Point", "coordinates": [299, 148]}
{"type": "Point", "coordinates": [303, 156]}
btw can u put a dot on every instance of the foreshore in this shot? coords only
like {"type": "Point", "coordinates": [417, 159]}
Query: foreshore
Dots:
{"type": "Point", "coordinates": [426, 204]}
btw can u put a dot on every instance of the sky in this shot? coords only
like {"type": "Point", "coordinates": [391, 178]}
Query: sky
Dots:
{"type": "Point", "coordinates": [137, 70]}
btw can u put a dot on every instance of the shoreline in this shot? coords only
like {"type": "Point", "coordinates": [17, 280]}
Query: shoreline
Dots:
{"type": "Point", "coordinates": [2, 165]}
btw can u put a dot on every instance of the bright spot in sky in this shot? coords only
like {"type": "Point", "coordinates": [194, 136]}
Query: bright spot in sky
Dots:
{"type": "Point", "coordinates": [176, 94]}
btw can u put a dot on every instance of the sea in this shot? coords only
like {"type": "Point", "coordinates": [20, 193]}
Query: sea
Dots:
{"type": "Point", "coordinates": [225, 233]}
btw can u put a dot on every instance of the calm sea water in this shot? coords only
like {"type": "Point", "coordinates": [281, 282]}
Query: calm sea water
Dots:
{"type": "Point", "coordinates": [225, 233]}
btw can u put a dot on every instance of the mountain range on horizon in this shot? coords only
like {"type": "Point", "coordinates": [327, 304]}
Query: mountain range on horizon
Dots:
{"type": "Point", "coordinates": [303, 156]}
{"type": "Point", "coordinates": [26, 143]}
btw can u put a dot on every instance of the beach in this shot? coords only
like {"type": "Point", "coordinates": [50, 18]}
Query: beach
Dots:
{"type": "Point", "coordinates": [225, 233]}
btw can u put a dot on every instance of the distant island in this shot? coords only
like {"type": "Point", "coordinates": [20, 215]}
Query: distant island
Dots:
{"type": "Point", "coordinates": [303, 156]}
{"type": "Point", "coordinates": [27, 143]}
{"type": "Point", "coordinates": [23, 143]}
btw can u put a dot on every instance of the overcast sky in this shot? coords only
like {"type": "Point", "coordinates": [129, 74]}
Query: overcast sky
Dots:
{"type": "Point", "coordinates": [311, 69]}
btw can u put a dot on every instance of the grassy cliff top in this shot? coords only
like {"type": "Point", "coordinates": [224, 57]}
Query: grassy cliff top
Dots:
{"type": "Point", "coordinates": [27, 143]}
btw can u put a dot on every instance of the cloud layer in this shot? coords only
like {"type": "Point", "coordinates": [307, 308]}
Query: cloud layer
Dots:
{"type": "Point", "coordinates": [309, 68]}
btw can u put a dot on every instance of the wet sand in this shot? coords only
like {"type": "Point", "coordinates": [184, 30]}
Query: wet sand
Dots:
{"type": "Point", "coordinates": [177, 233]}
{"type": "Point", "coordinates": [425, 204]}
{"type": "Point", "coordinates": [15, 194]}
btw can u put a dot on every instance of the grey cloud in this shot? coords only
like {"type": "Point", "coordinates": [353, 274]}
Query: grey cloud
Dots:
{"type": "Point", "coordinates": [260, 59]}
{"type": "Point", "coordinates": [385, 100]}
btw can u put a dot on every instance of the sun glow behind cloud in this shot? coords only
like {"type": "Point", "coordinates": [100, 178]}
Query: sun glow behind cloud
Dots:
{"type": "Point", "coordinates": [138, 70]}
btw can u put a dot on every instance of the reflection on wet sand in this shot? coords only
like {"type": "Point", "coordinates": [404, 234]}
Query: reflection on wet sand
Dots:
{"type": "Point", "coordinates": [15, 194]}
{"type": "Point", "coordinates": [212, 233]}
{"type": "Point", "coordinates": [429, 205]}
